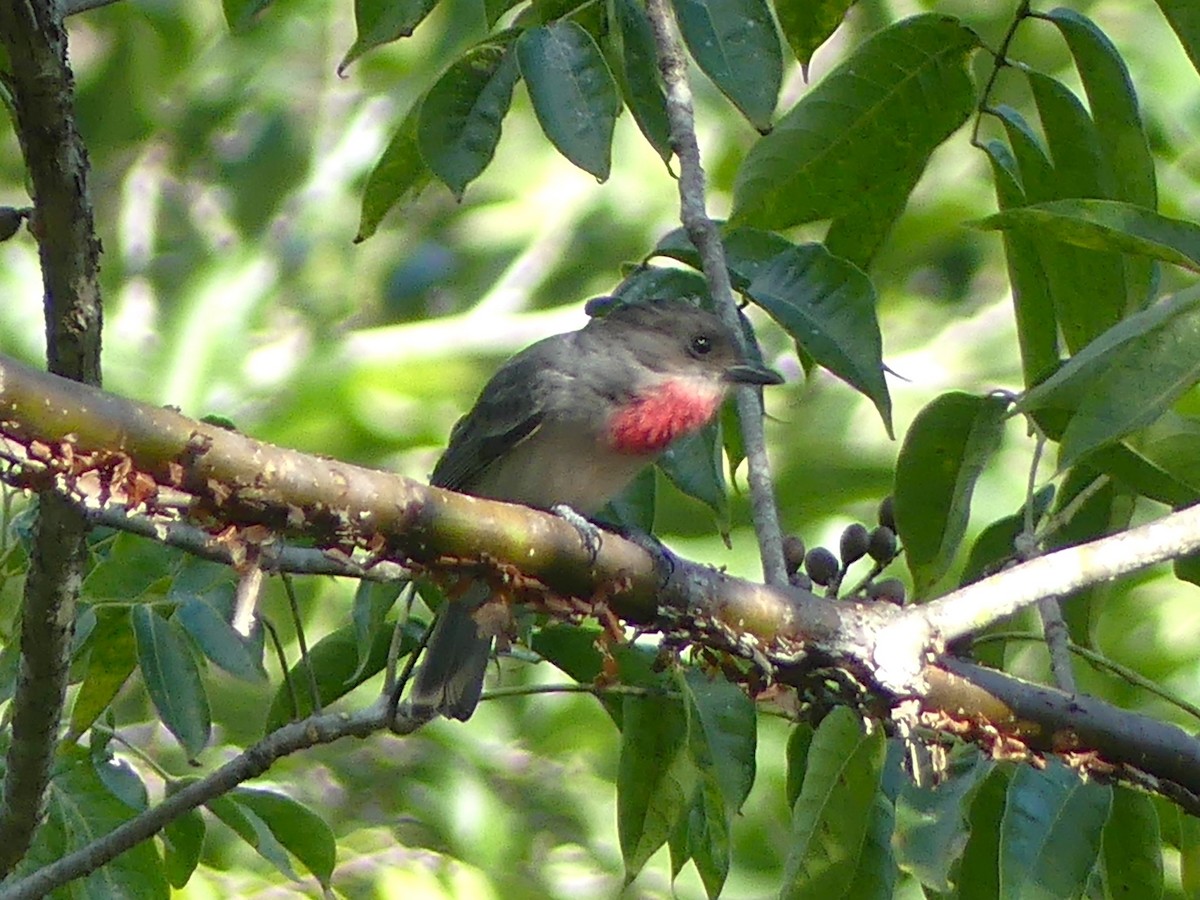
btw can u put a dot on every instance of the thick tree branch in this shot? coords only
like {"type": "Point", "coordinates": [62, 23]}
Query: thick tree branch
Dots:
{"type": "Point", "coordinates": [254, 495]}
{"type": "Point", "coordinates": [43, 95]}
{"type": "Point", "coordinates": [706, 237]}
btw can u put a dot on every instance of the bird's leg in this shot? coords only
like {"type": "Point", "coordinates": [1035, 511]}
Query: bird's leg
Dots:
{"type": "Point", "coordinates": [588, 532]}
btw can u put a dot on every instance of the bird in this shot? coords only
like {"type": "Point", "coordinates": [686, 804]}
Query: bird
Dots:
{"type": "Point", "coordinates": [569, 422]}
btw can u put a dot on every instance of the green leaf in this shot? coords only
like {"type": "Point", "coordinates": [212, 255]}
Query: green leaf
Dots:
{"type": "Point", "coordinates": [1037, 327]}
{"type": "Point", "coordinates": [869, 125]}
{"type": "Point", "coordinates": [574, 96]}
{"type": "Point", "coordinates": [335, 664]}
{"type": "Point", "coordinates": [833, 814]}
{"type": "Point", "coordinates": [828, 306]}
{"type": "Point", "coordinates": [996, 543]}
{"type": "Point", "coordinates": [945, 450]}
{"type": "Point", "coordinates": [494, 9]}
{"type": "Point", "coordinates": [383, 21]}
{"type": "Point", "coordinates": [875, 874]}
{"type": "Point", "coordinates": [172, 679]}
{"type": "Point", "coordinates": [241, 14]}
{"type": "Point", "coordinates": [1184, 17]}
{"type": "Point", "coordinates": [1189, 855]}
{"type": "Point", "coordinates": [641, 83]}
{"type": "Point", "coordinates": [1051, 831]}
{"type": "Point", "coordinates": [399, 176]}
{"type": "Point", "coordinates": [931, 822]}
{"type": "Point", "coordinates": [298, 829]}
{"type": "Point", "coordinates": [978, 875]}
{"type": "Point", "coordinates": [111, 660]}
{"type": "Point", "coordinates": [735, 44]}
{"type": "Point", "coordinates": [655, 777]}
{"type": "Point", "coordinates": [653, 282]}
{"type": "Point", "coordinates": [634, 507]}
{"type": "Point", "coordinates": [799, 741]}
{"type": "Point", "coordinates": [1131, 848]}
{"type": "Point", "coordinates": [1114, 107]}
{"type": "Point", "coordinates": [693, 464]}
{"type": "Point", "coordinates": [747, 251]}
{"type": "Point", "coordinates": [81, 810]}
{"type": "Point", "coordinates": [807, 24]}
{"type": "Point", "coordinates": [1107, 225]}
{"type": "Point", "coordinates": [1126, 378]}
{"type": "Point", "coordinates": [247, 825]}
{"type": "Point", "coordinates": [460, 118]}
{"type": "Point", "coordinates": [183, 840]}
{"type": "Point", "coordinates": [240, 656]}
{"type": "Point", "coordinates": [128, 568]}
{"type": "Point", "coordinates": [372, 602]}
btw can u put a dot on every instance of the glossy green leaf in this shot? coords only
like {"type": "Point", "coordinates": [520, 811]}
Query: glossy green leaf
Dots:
{"type": "Point", "coordinates": [460, 118]}
{"type": "Point", "coordinates": [172, 679]}
{"type": "Point", "coordinates": [1184, 17]}
{"type": "Point", "coordinates": [932, 827]}
{"type": "Point", "coordinates": [807, 24]}
{"type": "Point", "coordinates": [1131, 848]}
{"type": "Point", "coordinates": [112, 657]}
{"type": "Point", "coordinates": [372, 602]}
{"type": "Point", "coordinates": [1126, 378]}
{"type": "Point", "coordinates": [870, 124]}
{"type": "Point", "coordinates": [574, 96]}
{"type": "Point", "coordinates": [945, 450]}
{"type": "Point", "coordinates": [298, 829]}
{"type": "Point", "coordinates": [1037, 328]}
{"type": "Point", "coordinates": [1051, 831]}
{"type": "Point", "coordinates": [833, 814]}
{"type": "Point", "coordinates": [1108, 225]}
{"type": "Point", "coordinates": [656, 778]}
{"type": "Point", "coordinates": [183, 841]}
{"type": "Point", "coordinates": [399, 176]}
{"type": "Point", "coordinates": [383, 21]}
{"type": "Point", "coordinates": [337, 670]}
{"type": "Point", "coordinates": [238, 655]}
{"type": "Point", "coordinates": [641, 83]}
{"type": "Point", "coordinates": [81, 810]}
{"type": "Point", "coordinates": [828, 306]}
{"type": "Point", "coordinates": [734, 43]}
{"type": "Point", "coordinates": [693, 464]}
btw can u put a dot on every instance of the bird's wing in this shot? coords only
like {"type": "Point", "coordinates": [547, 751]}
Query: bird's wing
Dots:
{"type": "Point", "coordinates": [509, 411]}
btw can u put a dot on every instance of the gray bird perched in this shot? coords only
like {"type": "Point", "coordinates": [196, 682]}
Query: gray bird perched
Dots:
{"type": "Point", "coordinates": [571, 420]}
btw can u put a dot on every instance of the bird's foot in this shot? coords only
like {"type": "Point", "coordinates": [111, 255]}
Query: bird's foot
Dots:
{"type": "Point", "coordinates": [664, 559]}
{"type": "Point", "coordinates": [588, 533]}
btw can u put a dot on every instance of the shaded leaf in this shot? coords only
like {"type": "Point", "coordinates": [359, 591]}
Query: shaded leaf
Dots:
{"type": "Point", "coordinates": [298, 829]}
{"type": "Point", "coordinates": [1050, 834]}
{"type": "Point", "coordinates": [946, 448]}
{"type": "Point", "coordinates": [383, 21]}
{"type": "Point", "coordinates": [372, 602]}
{"type": "Point", "coordinates": [978, 876]}
{"type": "Point", "coordinates": [735, 44]}
{"type": "Point", "coordinates": [1108, 225]}
{"type": "Point", "coordinates": [870, 124]}
{"type": "Point", "coordinates": [640, 80]}
{"type": "Point", "coordinates": [183, 840]}
{"type": "Point", "coordinates": [633, 508]}
{"type": "Point", "coordinates": [693, 464]}
{"type": "Point", "coordinates": [1132, 848]}
{"type": "Point", "coordinates": [172, 679]}
{"type": "Point", "coordinates": [574, 96]}
{"type": "Point", "coordinates": [799, 741]}
{"type": "Point", "coordinates": [461, 116]}
{"type": "Point", "coordinates": [655, 777]}
{"type": "Point", "coordinates": [1184, 17]}
{"type": "Point", "coordinates": [239, 656]}
{"type": "Point", "coordinates": [654, 282]}
{"type": "Point", "coordinates": [241, 14]}
{"type": "Point", "coordinates": [996, 543]}
{"type": "Point", "coordinates": [399, 175]}
{"type": "Point", "coordinates": [111, 660]}
{"type": "Point", "coordinates": [747, 251]}
{"type": "Point", "coordinates": [875, 874]}
{"type": "Point", "coordinates": [807, 24]}
{"type": "Point", "coordinates": [833, 814]}
{"type": "Point", "coordinates": [828, 306]}
{"type": "Point", "coordinates": [247, 825]}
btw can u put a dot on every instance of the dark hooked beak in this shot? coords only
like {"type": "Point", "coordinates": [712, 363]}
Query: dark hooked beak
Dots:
{"type": "Point", "coordinates": [748, 373]}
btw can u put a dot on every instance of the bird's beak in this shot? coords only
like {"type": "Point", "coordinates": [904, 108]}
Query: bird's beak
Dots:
{"type": "Point", "coordinates": [748, 373]}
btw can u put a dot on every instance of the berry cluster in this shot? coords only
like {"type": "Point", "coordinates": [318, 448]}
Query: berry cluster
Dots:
{"type": "Point", "coordinates": [819, 566]}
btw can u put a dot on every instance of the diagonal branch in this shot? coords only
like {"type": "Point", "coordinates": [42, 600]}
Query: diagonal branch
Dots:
{"type": "Point", "coordinates": [42, 91]}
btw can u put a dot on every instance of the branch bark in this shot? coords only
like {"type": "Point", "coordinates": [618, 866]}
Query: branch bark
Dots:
{"type": "Point", "coordinates": [42, 90]}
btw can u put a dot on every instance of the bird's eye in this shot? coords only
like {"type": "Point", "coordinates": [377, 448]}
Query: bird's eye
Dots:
{"type": "Point", "coordinates": [701, 345]}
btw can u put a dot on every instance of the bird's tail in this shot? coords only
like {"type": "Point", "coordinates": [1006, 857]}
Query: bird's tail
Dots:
{"type": "Point", "coordinates": [450, 678]}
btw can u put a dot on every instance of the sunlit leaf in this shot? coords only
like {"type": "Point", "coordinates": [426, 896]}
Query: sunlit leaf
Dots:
{"type": "Point", "coordinates": [734, 43]}
{"type": "Point", "coordinates": [868, 125]}
{"type": "Point", "coordinates": [573, 93]}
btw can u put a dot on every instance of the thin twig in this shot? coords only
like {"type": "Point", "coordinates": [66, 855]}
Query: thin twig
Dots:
{"type": "Point", "coordinates": [283, 666]}
{"type": "Point", "coordinates": [707, 239]}
{"type": "Point", "coordinates": [305, 659]}
{"type": "Point", "coordinates": [999, 62]}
